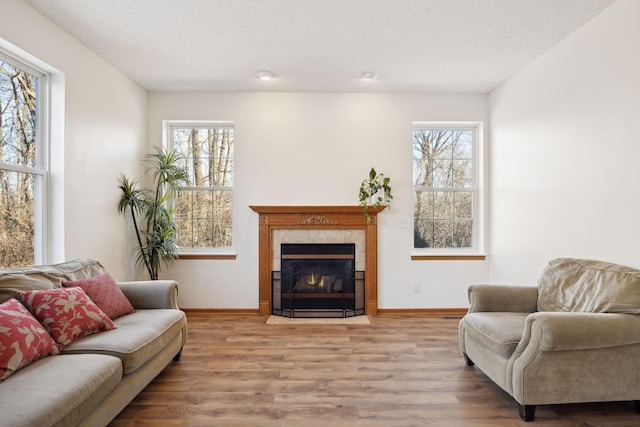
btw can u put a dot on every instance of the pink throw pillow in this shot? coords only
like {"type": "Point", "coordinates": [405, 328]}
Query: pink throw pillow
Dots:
{"type": "Point", "coordinates": [67, 313]}
{"type": "Point", "coordinates": [106, 293]}
{"type": "Point", "coordinates": [22, 339]}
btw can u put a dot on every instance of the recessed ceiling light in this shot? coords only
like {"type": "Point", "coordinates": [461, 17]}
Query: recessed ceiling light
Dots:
{"type": "Point", "coordinates": [265, 75]}
{"type": "Point", "coordinates": [370, 75]}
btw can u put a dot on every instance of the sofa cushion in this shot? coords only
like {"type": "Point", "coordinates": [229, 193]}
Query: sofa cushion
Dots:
{"type": "Point", "coordinates": [106, 293]}
{"type": "Point", "coordinates": [81, 268]}
{"type": "Point", "coordinates": [12, 283]}
{"type": "Point", "coordinates": [67, 314]}
{"type": "Point", "coordinates": [22, 339]}
{"type": "Point", "coordinates": [138, 338]}
{"type": "Point", "coordinates": [569, 284]}
{"type": "Point", "coordinates": [58, 390]}
{"type": "Point", "coordinates": [14, 280]}
{"type": "Point", "coordinates": [499, 331]}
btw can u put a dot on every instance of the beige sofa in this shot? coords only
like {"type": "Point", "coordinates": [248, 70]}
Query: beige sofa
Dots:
{"type": "Point", "coordinates": [96, 376]}
{"type": "Point", "coordinates": [573, 338]}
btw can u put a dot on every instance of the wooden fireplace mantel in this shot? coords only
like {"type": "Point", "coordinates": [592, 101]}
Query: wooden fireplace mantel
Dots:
{"type": "Point", "coordinates": [317, 217]}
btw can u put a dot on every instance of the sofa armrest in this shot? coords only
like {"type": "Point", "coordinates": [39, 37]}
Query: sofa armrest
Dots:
{"type": "Point", "coordinates": [561, 331]}
{"type": "Point", "coordinates": [520, 299]}
{"type": "Point", "coordinates": [145, 294]}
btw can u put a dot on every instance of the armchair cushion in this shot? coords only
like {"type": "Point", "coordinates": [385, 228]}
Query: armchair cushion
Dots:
{"type": "Point", "coordinates": [519, 299]}
{"type": "Point", "coordinates": [500, 332]}
{"type": "Point", "coordinates": [569, 284]}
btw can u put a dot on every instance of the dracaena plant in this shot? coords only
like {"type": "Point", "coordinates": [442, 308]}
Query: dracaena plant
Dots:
{"type": "Point", "coordinates": [374, 191]}
{"type": "Point", "coordinates": [153, 220]}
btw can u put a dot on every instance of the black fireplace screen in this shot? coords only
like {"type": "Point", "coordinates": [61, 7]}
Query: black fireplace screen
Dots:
{"type": "Point", "coordinates": [318, 280]}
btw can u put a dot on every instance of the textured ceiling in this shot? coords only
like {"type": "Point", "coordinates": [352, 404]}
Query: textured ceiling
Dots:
{"type": "Point", "coordinates": [320, 45]}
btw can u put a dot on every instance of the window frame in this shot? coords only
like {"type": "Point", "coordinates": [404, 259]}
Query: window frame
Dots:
{"type": "Point", "coordinates": [477, 249]}
{"type": "Point", "coordinates": [223, 252]}
{"type": "Point", "coordinates": [41, 168]}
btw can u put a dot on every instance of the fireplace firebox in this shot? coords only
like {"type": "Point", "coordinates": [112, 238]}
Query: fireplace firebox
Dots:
{"type": "Point", "coordinates": [318, 280]}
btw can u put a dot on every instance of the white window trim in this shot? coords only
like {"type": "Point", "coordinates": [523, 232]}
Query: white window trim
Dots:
{"type": "Point", "coordinates": [167, 126]}
{"type": "Point", "coordinates": [479, 205]}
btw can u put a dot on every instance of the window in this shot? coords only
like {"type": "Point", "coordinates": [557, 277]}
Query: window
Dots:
{"type": "Point", "coordinates": [446, 197]}
{"type": "Point", "coordinates": [205, 205]}
{"type": "Point", "coordinates": [23, 166]}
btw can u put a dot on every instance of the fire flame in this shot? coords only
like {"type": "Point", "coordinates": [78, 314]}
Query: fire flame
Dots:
{"type": "Point", "coordinates": [315, 282]}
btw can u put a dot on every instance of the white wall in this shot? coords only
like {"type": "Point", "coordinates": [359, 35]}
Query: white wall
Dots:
{"type": "Point", "coordinates": [103, 134]}
{"type": "Point", "coordinates": [314, 149]}
{"type": "Point", "coordinates": [565, 144]}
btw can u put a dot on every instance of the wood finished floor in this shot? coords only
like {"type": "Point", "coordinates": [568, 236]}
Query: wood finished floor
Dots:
{"type": "Point", "coordinates": [400, 371]}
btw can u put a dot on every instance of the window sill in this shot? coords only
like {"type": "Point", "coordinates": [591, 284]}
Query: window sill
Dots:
{"type": "Point", "coordinates": [207, 256]}
{"type": "Point", "coordinates": [447, 257]}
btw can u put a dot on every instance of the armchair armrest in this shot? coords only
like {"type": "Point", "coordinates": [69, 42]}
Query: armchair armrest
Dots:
{"type": "Point", "coordinates": [594, 351]}
{"type": "Point", "coordinates": [520, 299]}
{"type": "Point", "coordinates": [558, 331]}
{"type": "Point", "coordinates": [145, 294]}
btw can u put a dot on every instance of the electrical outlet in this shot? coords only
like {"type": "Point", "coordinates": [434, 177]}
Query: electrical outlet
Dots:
{"type": "Point", "coordinates": [402, 223]}
{"type": "Point", "coordinates": [416, 287]}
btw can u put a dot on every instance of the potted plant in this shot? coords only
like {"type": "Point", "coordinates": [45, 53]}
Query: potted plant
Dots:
{"type": "Point", "coordinates": [153, 221]}
{"type": "Point", "coordinates": [375, 191]}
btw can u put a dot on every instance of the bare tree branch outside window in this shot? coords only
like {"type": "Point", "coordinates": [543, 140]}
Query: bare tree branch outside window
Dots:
{"type": "Point", "coordinates": [18, 145]}
{"type": "Point", "coordinates": [204, 207]}
{"type": "Point", "coordinates": [443, 182]}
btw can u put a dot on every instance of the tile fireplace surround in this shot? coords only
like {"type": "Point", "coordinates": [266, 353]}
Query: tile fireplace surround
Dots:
{"type": "Point", "coordinates": [317, 224]}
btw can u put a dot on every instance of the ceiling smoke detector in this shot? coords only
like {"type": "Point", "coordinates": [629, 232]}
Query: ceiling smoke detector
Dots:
{"type": "Point", "coordinates": [265, 75]}
{"type": "Point", "coordinates": [370, 75]}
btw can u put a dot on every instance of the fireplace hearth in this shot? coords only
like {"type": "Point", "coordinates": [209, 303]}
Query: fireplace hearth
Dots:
{"type": "Point", "coordinates": [318, 280]}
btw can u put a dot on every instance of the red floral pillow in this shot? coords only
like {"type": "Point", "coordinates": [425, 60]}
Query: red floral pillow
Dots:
{"type": "Point", "coordinates": [67, 313]}
{"type": "Point", "coordinates": [22, 339]}
{"type": "Point", "coordinates": [106, 293]}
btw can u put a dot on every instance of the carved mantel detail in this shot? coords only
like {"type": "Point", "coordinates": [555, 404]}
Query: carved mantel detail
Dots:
{"type": "Point", "coordinates": [318, 220]}
{"type": "Point", "coordinates": [316, 217]}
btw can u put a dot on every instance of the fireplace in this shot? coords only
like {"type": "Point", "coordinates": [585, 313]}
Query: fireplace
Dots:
{"type": "Point", "coordinates": [318, 280]}
{"type": "Point", "coordinates": [316, 224]}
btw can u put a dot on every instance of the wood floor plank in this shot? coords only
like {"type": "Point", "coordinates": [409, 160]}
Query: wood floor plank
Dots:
{"type": "Point", "coordinates": [399, 371]}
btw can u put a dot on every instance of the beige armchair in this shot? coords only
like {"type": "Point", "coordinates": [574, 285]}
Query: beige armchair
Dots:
{"type": "Point", "coordinates": [573, 338]}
